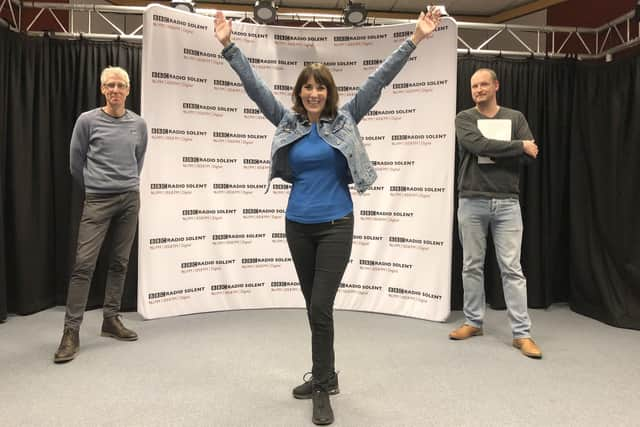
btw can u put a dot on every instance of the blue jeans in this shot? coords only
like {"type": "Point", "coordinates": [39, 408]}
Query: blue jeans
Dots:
{"type": "Point", "coordinates": [476, 216]}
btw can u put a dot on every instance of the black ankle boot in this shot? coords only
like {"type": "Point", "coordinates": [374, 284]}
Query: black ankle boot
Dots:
{"type": "Point", "coordinates": [69, 346]}
{"type": "Point", "coordinates": [113, 327]}
{"type": "Point", "coordinates": [303, 391]}
{"type": "Point", "coordinates": [322, 412]}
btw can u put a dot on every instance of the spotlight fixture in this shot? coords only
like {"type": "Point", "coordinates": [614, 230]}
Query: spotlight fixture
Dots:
{"type": "Point", "coordinates": [264, 11]}
{"type": "Point", "coordinates": [355, 13]}
{"type": "Point", "coordinates": [184, 5]}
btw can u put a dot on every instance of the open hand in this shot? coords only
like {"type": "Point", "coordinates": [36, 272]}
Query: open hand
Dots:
{"type": "Point", "coordinates": [222, 28]}
{"type": "Point", "coordinates": [427, 22]}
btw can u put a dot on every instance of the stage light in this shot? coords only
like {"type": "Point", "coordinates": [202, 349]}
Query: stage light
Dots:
{"type": "Point", "coordinates": [185, 5]}
{"type": "Point", "coordinates": [355, 13]}
{"type": "Point", "coordinates": [264, 11]}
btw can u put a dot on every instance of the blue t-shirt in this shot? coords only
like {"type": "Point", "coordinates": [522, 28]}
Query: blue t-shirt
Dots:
{"type": "Point", "coordinates": [320, 191]}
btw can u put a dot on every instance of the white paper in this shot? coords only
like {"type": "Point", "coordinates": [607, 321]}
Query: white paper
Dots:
{"type": "Point", "coordinates": [499, 129]}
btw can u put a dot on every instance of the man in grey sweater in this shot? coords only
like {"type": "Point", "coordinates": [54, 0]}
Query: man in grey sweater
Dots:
{"type": "Point", "coordinates": [107, 151]}
{"type": "Point", "coordinates": [492, 142]}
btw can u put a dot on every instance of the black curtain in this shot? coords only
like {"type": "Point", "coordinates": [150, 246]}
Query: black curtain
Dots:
{"type": "Point", "coordinates": [46, 84]}
{"type": "Point", "coordinates": [543, 91]}
{"type": "Point", "coordinates": [605, 195]}
{"type": "Point", "coordinates": [581, 243]}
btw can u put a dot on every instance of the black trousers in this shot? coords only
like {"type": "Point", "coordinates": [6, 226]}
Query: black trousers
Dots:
{"type": "Point", "coordinates": [320, 253]}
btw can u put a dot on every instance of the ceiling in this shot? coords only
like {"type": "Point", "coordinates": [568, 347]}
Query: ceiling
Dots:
{"type": "Point", "coordinates": [476, 10]}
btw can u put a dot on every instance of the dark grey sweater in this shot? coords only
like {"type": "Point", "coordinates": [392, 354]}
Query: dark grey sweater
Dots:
{"type": "Point", "coordinates": [497, 180]}
{"type": "Point", "coordinates": [107, 153]}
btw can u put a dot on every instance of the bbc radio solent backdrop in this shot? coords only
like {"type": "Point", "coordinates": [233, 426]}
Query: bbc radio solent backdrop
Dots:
{"type": "Point", "coordinates": [211, 239]}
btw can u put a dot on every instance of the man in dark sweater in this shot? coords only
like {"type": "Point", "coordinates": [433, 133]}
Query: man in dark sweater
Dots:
{"type": "Point", "coordinates": [107, 151]}
{"type": "Point", "coordinates": [492, 141]}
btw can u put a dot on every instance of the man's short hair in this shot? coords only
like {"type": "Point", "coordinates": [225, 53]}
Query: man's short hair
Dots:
{"type": "Point", "coordinates": [114, 70]}
{"type": "Point", "coordinates": [492, 73]}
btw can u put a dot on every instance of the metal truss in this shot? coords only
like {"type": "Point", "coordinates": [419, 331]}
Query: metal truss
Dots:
{"type": "Point", "coordinates": [473, 38]}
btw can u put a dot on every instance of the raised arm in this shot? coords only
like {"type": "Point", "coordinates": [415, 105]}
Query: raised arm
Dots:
{"type": "Point", "coordinates": [255, 88]}
{"type": "Point", "coordinates": [370, 91]}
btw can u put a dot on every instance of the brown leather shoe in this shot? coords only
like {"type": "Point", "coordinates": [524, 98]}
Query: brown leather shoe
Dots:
{"type": "Point", "coordinates": [465, 331]}
{"type": "Point", "coordinates": [528, 347]}
{"type": "Point", "coordinates": [69, 346]}
{"type": "Point", "coordinates": [113, 327]}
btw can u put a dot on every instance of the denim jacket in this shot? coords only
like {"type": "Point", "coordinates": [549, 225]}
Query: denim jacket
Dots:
{"type": "Point", "coordinates": [340, 132]}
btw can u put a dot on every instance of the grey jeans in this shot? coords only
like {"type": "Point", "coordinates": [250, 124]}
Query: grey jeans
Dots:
{"type": "Point", "coordinates": [101, 211]}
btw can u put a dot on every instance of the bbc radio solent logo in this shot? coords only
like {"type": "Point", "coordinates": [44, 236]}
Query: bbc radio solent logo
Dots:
{"type": "Point", "coordinates": [169, 242]}
{"type": "Point", "coordinates": [347, 90]}
{"type": "Point", "coordinates": [176, 135]}
{"type": "Point", "coordinates": [336, 66]}
{"type": "Point", "coordinates": [393, 165]}
{"type": "Point", "coordinates": [272, 64]}
{"type": "Point", "coordinates": [167, 188]}
{"type": "Point", "coordinates": [418, 86]}
{"type": "Point", "coordinates": [282, 89]}
{"type": "Point", "coordinates": [207, 214]}
{"type": "Point", "coordinates": [262, 213]}
{"type": "Point", "coordinates": [198, 266]}
{"type": "Point", "coordinates": [368, 140]}
{"type": "Point", "coordinates": [243, 189]}
{"type": "Point", "coordinates": [422, 139]}
{"type": "Point", "coordinates": [414, 294]}
{"type": "Point", "coordinates": [374, 189]}
{"type": "Point", "coordinates": [298, 40]}
{"type": "Point", "coordinates": [382, 265]}
{"type": "Point", "coordinates": [284, 286]}
{"type": "Point", "coordinates": [373, 63]}
{"type": "Point", "coordinates": [249, 37]}
{"type": "Point", "coordinates": [194, 108]}
{"type": "Point", "coordinates": [415, 191]}
{"type": "Point", "coordinates": [238, 137]}
{"type": "Point", "coordinates": [235, 288]}
{"type": "Point", "coordinates": [366, 239]}
{"type": "Point", "coordinates": [359, 288]}
{"type": "Point", "coordinates": [207, 162]}
{"type": "Point", "coordinates": [237, 238]}
{"type": "Point", "coordinates": [266, 262]}
{"type": "Point", "coordinates": [261, 164]}
{"type": "Point", "coordinates": [281, 188]}
{"type": "Point", "coordinates": [173, 294]}
{"type": "Point", "coordinates": [252, 114]}
{"type": "Point", "coordinates": [388, 216]}
{"type": "Point", "coordinates": [392, 114]}
{"type": "Point", "coordinates": [184, 80]}
{"type": "Point", "coordinates": [414, 243]}
{"type": "Point", "coordinates": [227, 86]}
{"type": "Point", "coordinates": [278, 237]}
{"type": "Point", "coordinates": [202, 56]}
{"type": "Point", "coordinates": [175, 24]}
{"type": "Point", "coordinates": [358, 40]}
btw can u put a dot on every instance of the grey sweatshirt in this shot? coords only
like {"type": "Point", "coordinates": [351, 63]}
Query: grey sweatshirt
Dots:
{"type": "Point", "coordinates": [107, 153]}
{"type": "Point", "coordinates": [497, 180]}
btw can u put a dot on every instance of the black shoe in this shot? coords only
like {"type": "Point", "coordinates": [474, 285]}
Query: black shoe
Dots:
{"type": "Point", "coordinates": [113, 327]}
{"type": "Point", "coordinates": [303, 391]}
{"type": "Point", "coordinates": [322, 412]}
{"type": "Point", "coordinates": [69, 346]}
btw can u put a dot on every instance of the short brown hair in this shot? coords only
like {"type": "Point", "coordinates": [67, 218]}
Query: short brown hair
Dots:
{"type": "Point", "coordinates": [322, 75]}
{"type": "Point", "coordinates": [492, 73]}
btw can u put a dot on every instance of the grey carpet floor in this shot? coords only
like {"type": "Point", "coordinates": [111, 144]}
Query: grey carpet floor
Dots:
{"type": "Point", "coordinates": [237, 369]}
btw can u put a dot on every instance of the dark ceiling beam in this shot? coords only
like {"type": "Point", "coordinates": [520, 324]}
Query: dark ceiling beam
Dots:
{"type": "Point", "coordinates": [508, 15]}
